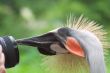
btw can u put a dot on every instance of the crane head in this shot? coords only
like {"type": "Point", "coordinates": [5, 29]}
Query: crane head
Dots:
{"type": "Point", "coordinates": [80, 43]}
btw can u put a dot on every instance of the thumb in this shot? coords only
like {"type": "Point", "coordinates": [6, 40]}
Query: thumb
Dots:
{"type": "Point", "coordinates": [2, 61]}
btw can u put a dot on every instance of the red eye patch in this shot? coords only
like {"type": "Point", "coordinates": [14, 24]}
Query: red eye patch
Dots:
{"type": "Point", "coordinates": [74, 47]}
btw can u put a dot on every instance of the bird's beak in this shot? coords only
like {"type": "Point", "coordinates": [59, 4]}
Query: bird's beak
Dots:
{"type": "Point", "coordinates": [42, 43]}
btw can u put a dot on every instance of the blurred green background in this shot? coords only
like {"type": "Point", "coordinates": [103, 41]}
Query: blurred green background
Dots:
{"type": "Point", "coordinates": [26, 18]}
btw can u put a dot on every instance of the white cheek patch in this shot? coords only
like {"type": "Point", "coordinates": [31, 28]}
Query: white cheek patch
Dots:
{"type": "Point", "coordinates": [58, 49]}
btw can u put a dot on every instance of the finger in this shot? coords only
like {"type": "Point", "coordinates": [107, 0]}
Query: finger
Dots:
{"type": "Point", "coordinates": [0, 49]}
{"type": "Point", "coordinates": [2, 69]}
{"type": "Point", "coordinates": [2, 59]}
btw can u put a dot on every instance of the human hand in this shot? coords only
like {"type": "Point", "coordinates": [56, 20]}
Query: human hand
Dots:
{"type": "Point", "coordinates": [2, 61]}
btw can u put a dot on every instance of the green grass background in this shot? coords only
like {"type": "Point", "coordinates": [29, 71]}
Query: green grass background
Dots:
{"type": "Point", "coordinates": [26, 18]}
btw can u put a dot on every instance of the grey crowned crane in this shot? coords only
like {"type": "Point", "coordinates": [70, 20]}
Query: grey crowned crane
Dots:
{"type": "Point", "coordinates": [77, 47]}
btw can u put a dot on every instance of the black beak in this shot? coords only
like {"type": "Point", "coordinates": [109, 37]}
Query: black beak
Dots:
{"type": "Point", "coordinates": [42, 42]}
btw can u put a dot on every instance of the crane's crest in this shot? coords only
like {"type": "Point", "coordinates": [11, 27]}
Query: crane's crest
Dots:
{"type": "Point", "coordinates": [68, 63]}
{"type": "Point", "coordinates": [85, 24]}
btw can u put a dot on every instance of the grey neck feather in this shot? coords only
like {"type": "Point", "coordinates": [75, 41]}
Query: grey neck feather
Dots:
{"type": "Point", "coordinates": [93, 50]}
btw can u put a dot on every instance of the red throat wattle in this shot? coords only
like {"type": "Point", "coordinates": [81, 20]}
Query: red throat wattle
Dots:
{"type": "Point", "coordinates": [74, 47]}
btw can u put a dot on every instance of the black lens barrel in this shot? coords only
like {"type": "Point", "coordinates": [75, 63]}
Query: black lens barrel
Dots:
{"type": "Point", "coordinates": [10, 50]}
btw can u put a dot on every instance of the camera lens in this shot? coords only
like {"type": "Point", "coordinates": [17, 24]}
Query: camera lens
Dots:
{"type": "Point", "coordinates": [10, 50]}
